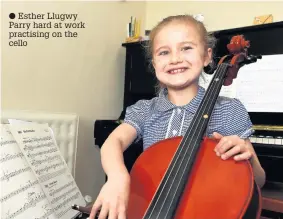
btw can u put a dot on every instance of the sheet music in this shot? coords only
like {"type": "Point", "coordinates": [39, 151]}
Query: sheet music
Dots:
{"type": "Point", "coordinates": [227, 91]}
{"type": "Point", "coordinates": [21, 194]}
{"type": "Point", "coordinates": [41, 151]}
{"type": "Point", "coordinates": [259, 86]}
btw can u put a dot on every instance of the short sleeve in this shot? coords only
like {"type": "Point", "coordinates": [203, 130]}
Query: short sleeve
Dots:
{"type": "Point", "coordinates": [136, 115]}
{"type": "Point", "coordinates": [238, 120]}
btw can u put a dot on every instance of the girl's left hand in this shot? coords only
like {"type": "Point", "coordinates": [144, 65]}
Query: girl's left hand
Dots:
{"type": "Point", "coordinates": [232, 146]}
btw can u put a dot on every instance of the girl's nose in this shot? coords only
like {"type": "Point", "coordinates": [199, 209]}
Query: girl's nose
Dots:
{"type": "Point", "coordinates": [176, 58]}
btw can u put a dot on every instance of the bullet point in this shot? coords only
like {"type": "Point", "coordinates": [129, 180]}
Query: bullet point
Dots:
{"type": "Point", "coordinates": [12, 15]}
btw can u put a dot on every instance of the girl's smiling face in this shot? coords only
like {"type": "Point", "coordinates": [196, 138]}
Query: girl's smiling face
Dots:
{"type": "Point", "coordinates": [179, 55]}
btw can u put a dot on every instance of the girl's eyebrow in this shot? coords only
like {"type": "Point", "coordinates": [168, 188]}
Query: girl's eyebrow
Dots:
{"type": "Point", "coordinates": [188, 42]}
{"type": "Point", "coordinates": [181, 43]}
{"type": "Point", "coordinates": [162, 47]}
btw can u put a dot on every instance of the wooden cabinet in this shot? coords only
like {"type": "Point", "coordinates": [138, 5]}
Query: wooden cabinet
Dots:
{"type": "Point", "coordinates": [140, 78]}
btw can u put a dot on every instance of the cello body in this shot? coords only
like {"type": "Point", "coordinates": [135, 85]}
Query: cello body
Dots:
{"type": "Point", "coordinates": [216, 188]}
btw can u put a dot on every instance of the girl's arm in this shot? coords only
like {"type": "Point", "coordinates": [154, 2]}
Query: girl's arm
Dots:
{"type": "Point", "coordinates": [259, 172]}
{"type": "Point", "coordinates": [113, 197]}
{"type": "Point", "coordinates": [113, 148]}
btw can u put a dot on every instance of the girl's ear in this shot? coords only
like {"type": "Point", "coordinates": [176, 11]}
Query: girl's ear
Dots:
{"type": "Point", "coordinates": [208, 57]}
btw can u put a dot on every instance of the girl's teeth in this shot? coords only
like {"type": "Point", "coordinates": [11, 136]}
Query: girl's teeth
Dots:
{"type": "Point", "coordinates": [178, 70]}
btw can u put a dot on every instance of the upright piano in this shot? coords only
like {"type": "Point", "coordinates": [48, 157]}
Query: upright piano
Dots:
{"type": "Point", "coordinates": [266, 39]}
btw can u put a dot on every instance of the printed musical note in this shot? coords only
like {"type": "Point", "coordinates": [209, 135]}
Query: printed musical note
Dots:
{"type": "Point", "coordinates": [43, 155]}
{"type": "Point", "coordinates": [21, 194]}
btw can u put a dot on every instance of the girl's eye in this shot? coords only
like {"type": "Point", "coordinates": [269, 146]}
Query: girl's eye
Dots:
{"type": "Point", "coordinates": [163, 53]}
{"type": "Point", "coordinates": [186, 48]}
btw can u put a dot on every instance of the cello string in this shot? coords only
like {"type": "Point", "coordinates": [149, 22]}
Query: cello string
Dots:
{"type": "Point", "coordinates": [182, 148]}
{"type": "Point", "coordinates": [188, 159]}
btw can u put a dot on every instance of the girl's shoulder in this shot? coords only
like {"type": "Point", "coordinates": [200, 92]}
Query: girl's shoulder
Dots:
{"type": "Point", "coordinates": [224, 102]}
{"type": "Point", "coordinates": [144, 106]}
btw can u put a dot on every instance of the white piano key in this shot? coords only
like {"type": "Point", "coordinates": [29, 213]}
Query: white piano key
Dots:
{"type": "Point", "coordinates": [259, 139]}
{"type": "Point", "coordinates": [278, 140]}
{"type": "Point", "coordinates": [271, 140]}
{"type": "Point", "coordinates": [252, 139]}
{"type": "Point", "coordinates": [265, 140]}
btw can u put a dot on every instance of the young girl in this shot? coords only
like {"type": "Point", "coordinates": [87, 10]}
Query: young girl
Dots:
{"type": "Point", "coordinates": [180, 49]}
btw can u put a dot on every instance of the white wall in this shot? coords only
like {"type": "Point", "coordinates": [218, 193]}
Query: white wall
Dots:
{"type": "Point", "coordinates": [218, 14]}
{"type": "Point", "coordinates": [84, 75]}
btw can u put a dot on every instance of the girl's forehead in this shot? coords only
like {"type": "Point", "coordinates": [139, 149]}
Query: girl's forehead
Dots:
{"type": "Point", "coordinates": [177, 33]}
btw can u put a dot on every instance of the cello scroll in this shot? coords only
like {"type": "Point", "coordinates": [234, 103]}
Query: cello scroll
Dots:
{"type": "Point", "coordinates": [238, 48]}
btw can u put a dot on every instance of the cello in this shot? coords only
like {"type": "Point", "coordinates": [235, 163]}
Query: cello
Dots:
{"type": "Point", "coordinates": [186, 180]}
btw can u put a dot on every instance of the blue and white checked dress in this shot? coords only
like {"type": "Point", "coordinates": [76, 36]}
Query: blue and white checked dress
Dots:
{"type": "Point", "coordinates": [158, 118]}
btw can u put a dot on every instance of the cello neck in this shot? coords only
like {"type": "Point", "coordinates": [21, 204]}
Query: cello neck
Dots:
{"type": "Point", "coordinates": [199, 123]}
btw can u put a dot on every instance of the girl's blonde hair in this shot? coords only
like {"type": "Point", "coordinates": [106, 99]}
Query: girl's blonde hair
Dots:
{"type": "Point", "coordinates": [208, 40]}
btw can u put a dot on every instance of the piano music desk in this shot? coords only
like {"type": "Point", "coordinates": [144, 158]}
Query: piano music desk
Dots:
{"type": "Point", "coordinates": [272, 199]}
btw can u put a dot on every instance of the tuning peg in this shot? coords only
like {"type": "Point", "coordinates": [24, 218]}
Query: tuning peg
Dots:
{"type": "Point", "coordinates": [248, 60]}
{"type": "Point", "coordinates": [255, 58]}
{"type": "Point", "coordinates": [252, 59]}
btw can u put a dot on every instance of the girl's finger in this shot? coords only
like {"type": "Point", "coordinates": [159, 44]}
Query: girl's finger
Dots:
{"type": "Point", "coordinates": [224, 146]}
{"type": "Point", "coordinates": [122, 213]}
{"type": "Point", "coordinates": [219, 145]}
{"type": "Point", "coordinates": [96, 206]}
{"type": "Point", "coordinates": [113, 213]}
{"type": "Point", "coordinates": [104, 211]}
{"type": "Point", "coordinates": [244, 156]}
{"type": "Point", "coordinates": [216, 135]}
{"type": "Point", "coordinates": [231, 152]}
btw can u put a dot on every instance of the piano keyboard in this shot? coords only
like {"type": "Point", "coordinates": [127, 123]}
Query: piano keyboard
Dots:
{"type": "Point", "coordinates": [260, 139]}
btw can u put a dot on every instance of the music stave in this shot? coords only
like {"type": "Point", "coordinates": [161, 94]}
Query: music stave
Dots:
{"type": "Point", "coordinates": [48, 159]}
{"type": "Point", "coordinates": [47, 168]}
{"type": "Point", "coordinates": [19, 190]}
{"type": "Point", "coordinates": [7, 142]}
{"type": "Point", "coordinates": [32, 147]}
{"type": "Point", "coordinates": [52, 175]}
{"type": "Point", "coordinates": [30, 203]}
{"type": "Point", "coordinates": [8, 175]}
{"type": "Point", "coordinates": [54, 192]}
{"type": "Point", "coordinates": [65, 194]}
{"type": "Point", "coordinates": [6, 157]}
{"type": "Point", "coordinates": [40, 153]}
{"type": "Point", "coordinates": [66, 203]}
{"type": "Point", "coordinates": [37, 139]}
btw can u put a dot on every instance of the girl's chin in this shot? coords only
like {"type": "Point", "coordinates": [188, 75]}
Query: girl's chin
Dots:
{"type": "Point", "coordinates": [177, 86]}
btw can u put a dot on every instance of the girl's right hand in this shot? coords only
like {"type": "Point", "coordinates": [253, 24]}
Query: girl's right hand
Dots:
{"type": "Point", "coordinates": [113, 198]}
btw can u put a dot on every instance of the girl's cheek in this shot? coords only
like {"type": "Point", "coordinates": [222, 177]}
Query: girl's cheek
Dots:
{"type": "Point", "coordinates": [160, 64]}
{"type": "Point", "coordinates": [188, 56]}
